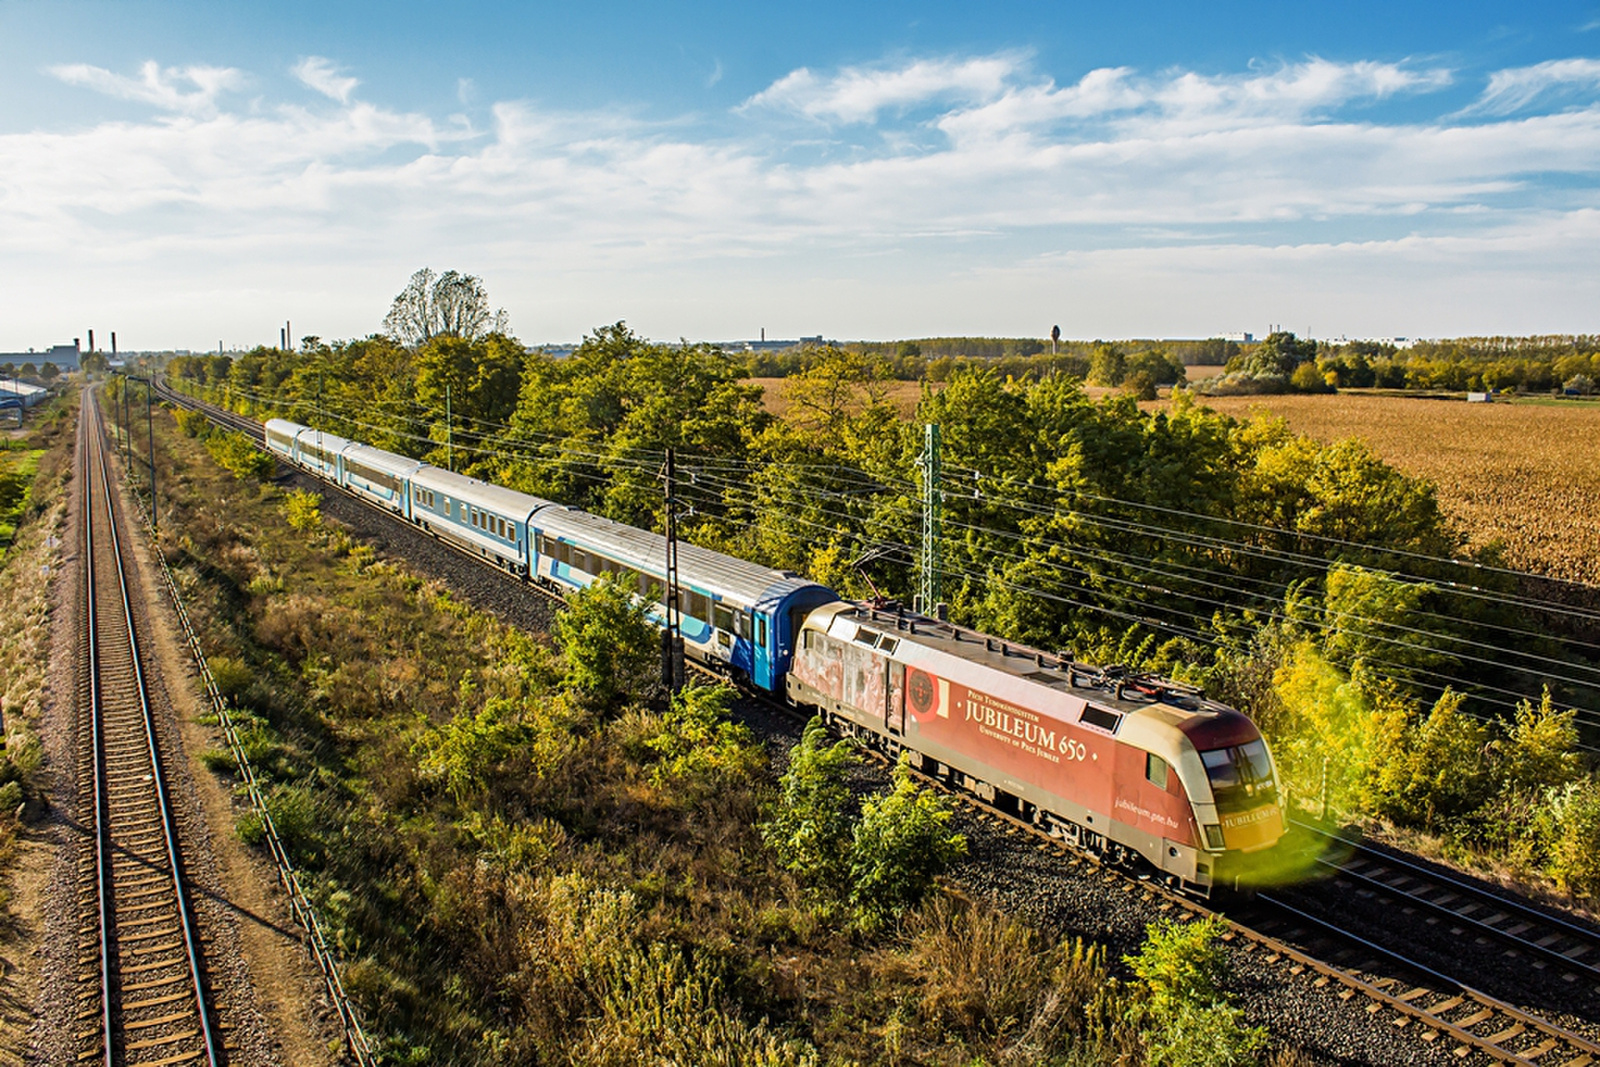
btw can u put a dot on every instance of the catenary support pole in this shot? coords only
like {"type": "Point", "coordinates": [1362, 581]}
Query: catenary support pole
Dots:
{"type": "Point", "coordinates": [928, 591]}
{"type": "Point", "coordinates": [672, 637]}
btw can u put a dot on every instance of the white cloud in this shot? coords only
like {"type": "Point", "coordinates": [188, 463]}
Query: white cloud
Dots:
{"type": "Point", "coordinates": [320, 74]}
{"type": "Point", "coordinates": [156, 85]}
{"type": "Point", "coordinates": [1518, 87]}
{"type": "Point", "coordinates": [597, 213]}
{"type": "Point", "coordinates": [858, 94]}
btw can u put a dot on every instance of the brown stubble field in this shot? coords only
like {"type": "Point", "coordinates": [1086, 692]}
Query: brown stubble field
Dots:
{"type": "Point", "coordinates": [1526, 473]}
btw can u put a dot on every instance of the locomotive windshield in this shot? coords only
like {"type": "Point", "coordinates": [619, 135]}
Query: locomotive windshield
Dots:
{"type": "Point", "coordinates": [1241, 776]}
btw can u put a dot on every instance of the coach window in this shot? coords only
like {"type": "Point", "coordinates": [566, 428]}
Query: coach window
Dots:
{"type": "Point", "coordinates": [724, 620]}
{"type": "Point", "coordinates": [1155, 769]}
{"type": "Point", "coordinates": [761, 630]}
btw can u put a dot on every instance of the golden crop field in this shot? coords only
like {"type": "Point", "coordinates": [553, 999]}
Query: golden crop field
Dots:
{"type": "Point", "coordinates": [1527, 473]}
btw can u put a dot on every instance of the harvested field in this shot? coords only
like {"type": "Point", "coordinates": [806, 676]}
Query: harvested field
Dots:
{"type": "Point", "coordinates": [903, 395]}
{"type": "Point", "coordinates": [1526, 473]}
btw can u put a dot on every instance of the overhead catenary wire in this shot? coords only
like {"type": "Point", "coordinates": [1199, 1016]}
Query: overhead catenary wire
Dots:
{"type": "Point", "coordinates": [614, 459]}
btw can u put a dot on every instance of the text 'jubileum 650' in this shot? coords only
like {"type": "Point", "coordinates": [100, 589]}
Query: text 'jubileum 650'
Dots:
{"type": "Point", "coordinates": [1021, 728]}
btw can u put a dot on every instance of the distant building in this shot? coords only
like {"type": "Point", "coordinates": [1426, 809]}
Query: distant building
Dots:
{"type": "Point", "coordinates": [16, 394]}
{"type": "Point", "coordinates": [64, 356]}
{"type": "Point", "coordinates": [1240, 338]}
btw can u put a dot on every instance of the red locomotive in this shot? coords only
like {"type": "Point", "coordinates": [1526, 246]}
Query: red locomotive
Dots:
{"type": "Point", "coordinates": [1140, 771]}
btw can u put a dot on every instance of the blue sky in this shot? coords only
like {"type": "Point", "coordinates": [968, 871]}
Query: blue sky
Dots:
{"type": "Point", "coordinates": [188, 173]}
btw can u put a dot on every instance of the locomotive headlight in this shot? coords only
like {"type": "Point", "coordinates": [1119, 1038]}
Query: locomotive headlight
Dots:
{"type": "Point", "coordinates": [1213, 835]}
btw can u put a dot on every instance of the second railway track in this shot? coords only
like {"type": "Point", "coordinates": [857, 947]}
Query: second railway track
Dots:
{"type": "Point", "coordinates": [142, 996]}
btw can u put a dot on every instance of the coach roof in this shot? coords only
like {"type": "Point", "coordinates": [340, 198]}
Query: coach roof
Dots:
{"type": "Point", "coordinates": [479, 493]}
{"type": "Point", "coordinates": [643, 550]}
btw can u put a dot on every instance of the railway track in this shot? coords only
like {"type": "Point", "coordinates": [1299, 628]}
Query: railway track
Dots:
{"type": "Point", "coordinates": [1543, 941]}
{"type": "Point", "coordinates": [142, 992]}
{"type": "Point", "coordinates": [1436, 1007]}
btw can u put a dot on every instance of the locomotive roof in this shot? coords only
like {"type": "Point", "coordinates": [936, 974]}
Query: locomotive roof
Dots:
{"type": "Point", "coordinates": [725, 575]}
{"type": "Point", "coordinates": [1111, 687]}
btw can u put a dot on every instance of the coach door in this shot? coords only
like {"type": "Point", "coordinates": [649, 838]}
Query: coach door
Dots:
{"type": "Point", "coordinates": [894, 712]}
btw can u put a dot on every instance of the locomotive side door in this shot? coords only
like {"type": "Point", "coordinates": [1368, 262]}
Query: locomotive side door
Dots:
{"type": "Point", "coordinates": [894, 710]}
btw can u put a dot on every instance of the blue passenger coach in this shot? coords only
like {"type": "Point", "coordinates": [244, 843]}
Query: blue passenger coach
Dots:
{"type": "Point", "coordinates": [489, 521]}
{"type": "Point", "coordinates": [382, 477]}
{"type": "Point", "coordinates": [736, 615]}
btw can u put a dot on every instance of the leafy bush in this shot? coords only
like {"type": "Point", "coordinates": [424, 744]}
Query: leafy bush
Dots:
{"type": "Point", "coordinates": [609, 644]}
{"type": "Point", "coordinates": [902, 843]}
{"type": "Point", "coordinates": [303, 509]}
{"type": "Point", "coordinates": [192, 423]}
{"type": "Point", "coordinates": [1182, 1013]}
{"type": "Point", "coordinates": [234, 453]}
{"type": "Point", "coordinates": [233, 677]}
{"type": "Point", "coordinates": [811, 824]}
{"type": "Point", "coordinates": [698, 750]}
{"type": "Point", "coordinates": [1574, 855]}
{"type": "Point", "coordinates": [465, 751]}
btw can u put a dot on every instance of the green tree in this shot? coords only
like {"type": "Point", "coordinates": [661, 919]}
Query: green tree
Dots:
{"type": "Point", "coordinates": [811, 823]}
{"type": "Point", "coordinates": [1280, 353]}
{"type": "Point", "coordinates": [609, 644]}
{"type": "Point", "coordinates": [1107, 365]}
{"type": "Point", "coordinates": [835, 383]}
{"type": "Point", "coordinates": [902, 842]}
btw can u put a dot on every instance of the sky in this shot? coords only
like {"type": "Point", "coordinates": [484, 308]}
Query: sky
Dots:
{"type": "Point", "coordinates": [191, 174]}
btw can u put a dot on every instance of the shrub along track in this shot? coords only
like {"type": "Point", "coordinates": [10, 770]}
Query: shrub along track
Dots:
{"type": "Point", "coordinates": [1363, 1011]}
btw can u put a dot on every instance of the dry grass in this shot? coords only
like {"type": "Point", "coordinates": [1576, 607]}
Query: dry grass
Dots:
{"type": "Point", "coordinates": [1527, 474]}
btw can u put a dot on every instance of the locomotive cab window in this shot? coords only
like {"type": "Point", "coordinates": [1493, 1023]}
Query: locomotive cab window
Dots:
{"type": "Point", "coordinates": [1241, 776]}
{"type": "Point", "coordinates": [1155, 769]}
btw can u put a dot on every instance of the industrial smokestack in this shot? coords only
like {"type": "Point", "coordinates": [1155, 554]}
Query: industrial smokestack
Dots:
{"type": "Point", "coordinates": [91, 340]}
{"type": "Point", "coordinates": [113, 344]}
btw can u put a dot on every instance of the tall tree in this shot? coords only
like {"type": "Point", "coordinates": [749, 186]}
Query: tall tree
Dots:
{"type": "Point", "coordinates": [451, 304]}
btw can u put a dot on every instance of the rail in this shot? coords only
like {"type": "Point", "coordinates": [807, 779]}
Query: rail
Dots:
{"type": "Point", "coordinates": [1458, 899]}
{"type": "Point", "coordinates": [300, 904]}
{"type": "Point", "coordinates": [104, 870]}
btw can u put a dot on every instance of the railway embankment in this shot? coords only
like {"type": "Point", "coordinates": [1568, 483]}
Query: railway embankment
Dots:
{"type": "Point", "coordinates": [35, 523]}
